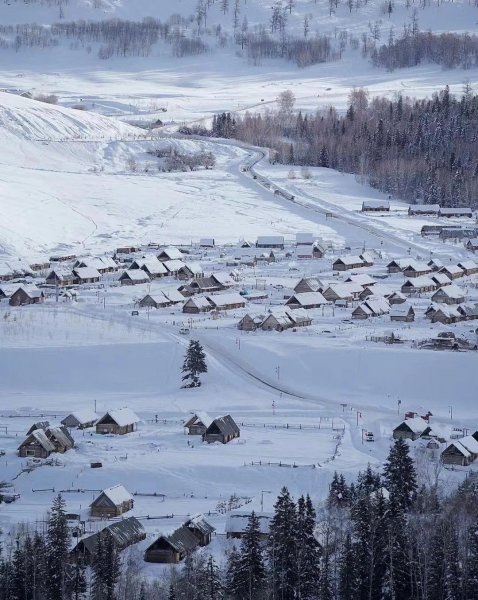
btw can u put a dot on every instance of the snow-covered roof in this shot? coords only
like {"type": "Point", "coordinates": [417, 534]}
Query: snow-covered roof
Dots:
{"type": "Point", "coordinates": [173, 265]}
{"type": "Point", "coordinates": [223, 278]}
{"type": "Point", "coordinates": [376, 204]}
{"type": "Point", "coordinates": [378, 290]}
{"type": "Point", "coordinates": [441, 278]}
{"type": "Point", "coordinates": [362, 279]}
{"type": "Point", "coordinates": [123, 416]}
{"type": "Point", "coordinates": [308, 298]}
{"type": "Point", "coordinates": [420, 282]}
{"type": "Point", "coordinates": [237, 522]}
{"type": "Point", "coordinates": [455, 211]}
{"type": "Point", "coordinates": [195, 268]}
{"type": "Point", "coordinates": [173, 295]}
{"type": "Point", "coordinates": [171, 252]}
{"type": "Point", "coordinates": [206, 242]}
{"type": "Point", "coordinates": [83, 416]}
{"type": "Point", "coordinates": [305, 238]}
{"type": "Point", "coordinates": [416, 265]}
{"type": "Point", "coordinates": [86, 273]}
{"type": "Point", "coordinates": [152, 265]}
{"type": "Point", "coordinates": [40, 436]}
{"type": "Point", "coordinates": [202, 416]}
{"type": "Point", "coordinates": [198, 302]}
{"type": "Point", "coordinates": [117, 494]}
{"type": "Point", "coordinates": [270, 240]}
{"type": "Point", "coordinates": [226, 299]}
{"type": "Point", "coordinates": [135, 275]}
{"type": "Point", "coordinates": [453, 269]}
{"type": "Point", "coordinates": [450, 291]}
{"type": "Point", "coordinates": [467, 264]}
{"type": "Point", "coordinates": [375, 305]}
{"type": "Point", "coordinates": [350, 259]}
{"type": "Point", "coordinates": [312, 282]}
{"type": "Point", "coordinates": [400, 310]}
{"type": "Point", "coordinates": [424, 208]}
{"type": "Point", "coordinates": [416, 424]}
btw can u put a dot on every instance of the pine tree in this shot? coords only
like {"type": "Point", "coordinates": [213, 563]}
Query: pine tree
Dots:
{"type": "Point", "coordinates": [233, 579]}
{"type": "Point", "coordinates": [400, 475]}
{"type": "Point", "coordinates": [172, 593]}
{"type": "Point", "coordinates": [209, 585]}
{"type": "Point", "coordinates": [57, 550]}
{"type": "Point", "coordinates": [19, 572]}
{"type": "Point", "coordinates": [397, 555]}
{"type": "Point", "coordinates": [282, 547]}
{"type": "Point", "coordinates": [308, 549]}
{"type": "Point", "coordinates": [194, 365]}
{"type": "Point", "coordinates": [471, 588]}
{"type": "Point", "coordinates": [324, 157]}
{"type": "Point", "coordinates": [249, 569]}
{"type": "Point", "coordinates": [347, 571]}
{"type": "Point", "coordinates": [452, 579]}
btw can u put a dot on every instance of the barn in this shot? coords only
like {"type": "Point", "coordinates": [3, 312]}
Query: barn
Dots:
{"type": "Point", "coordinates": [223, 429]}
{"type": "Point", "coordinates": [375, 206]}
{"type": "Point", "coordinates": [36, 445]}
{"type": "Point", "coordinates": [112, 502]}
{"type": "Point", "coordinates": [118, 422]}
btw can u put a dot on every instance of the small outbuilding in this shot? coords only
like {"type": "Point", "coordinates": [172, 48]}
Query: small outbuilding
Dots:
{"type": "Point", "coordinates": [80, 419]}
{"type": "Point", "coordinates": [402, 313]}
{"type": "Point", "coordinates": [375, 206]}
{"type": "Point", "coordinates": [461, 452]}
{"type": "Point", "coordinates": [223, 429]}
{"type": "Point", "coordinates": [411, 429]}
{"type": "Point", "coordinates": [172, 548]}
{"type": "Point", "coordinates": [198, 423]}
{"type": "Point", "coordinates": [118, 422]}
{"type": "Point", "coordinates": [112, 502]}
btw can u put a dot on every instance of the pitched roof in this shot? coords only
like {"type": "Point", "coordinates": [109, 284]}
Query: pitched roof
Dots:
{"type": "Point", "coordinates": [199, 302]}
{"type": "Point", "coordinates": [194, 267]}
{"type": "Point", "coordinates": [313, 283]}
{"type": "Point", "coordinates": [453, 269]}
{"type": "Point", "coordinates": [307, 299]}
{"type": "Point", "coordinates": [416, 424]}
{"type": "Point", "coordinates": [152, 265]}
{"type": "Point", "coordinates": [122, 417]}
{"type": "Point", "coordinates": [117, 494]}
{"type": "Point", "coordinates": [270, 240]}
{"type": "Point", "coordinates": [173, 265]}
{"type": "Point", "coordinates": [362, 279]}
{"type": "Point", "coordinates": [305, 238]}
{"type": "Point", "coordinates": [41, 438]}
{"type": "Point", "coordinates": [227, 299]}
{"type": "Point", "coordinates": [350, 259]}
{"type": "Point", "coordinates": [86, 273]}
{"type": "Point", "coordinates": [400, 310]}
{"type": "Point", "coordinates": [226, 425]}
{"type": "Point", "coordinates": [376, 204]}
{"type": "Point", "coordinates": [182, 540]}
{"type": "Point", "coordinates": [237, 522]}
{"type": "Point", "coordinates": [201, 416]}
{"type": "Point", "coordinates": [421, 208]}
{"type": "Point", "coordinates": [171, 252]}
{"type": "Point", "coordinates": [83, 416]}
{"type": "Point", "coordinates": [135, 275]}
{"type": "Point", "coordinates": [199, 522]}
{"type": "Point", "coordinates": [450, 291]}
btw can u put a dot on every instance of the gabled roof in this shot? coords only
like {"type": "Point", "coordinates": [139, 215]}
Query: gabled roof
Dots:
{"type": "Point", "coordinates": [441, 278]}
{"type": "Point", "coordinates": [61, 435]}
{"type": "Point", "coordinates": [417, 425]}
{"type": "Point", "coordinates": [401, 310]}
{"type": "Point", "coordinates": [305, 238]}
{"type": "Point", "coordinates": [376, 204]}
{"type": "Point", "coordinates": [223, 279]}
{"type": "Point", "coordinates": [313, 283]}
{"type": "Point", "coordinates": [449, 291]}
{"type": "Point", "coordinates": [349, 259]}
{"type": "Point", "coordinates": [182, 540]}
{"type": "Point", "coordinates": [227, 299]}
{"type": "Point", "coordinates": [152, 265]}
{"type": "Point", "coordinates": [362, 279]}
{"type": "Point", "coordinates": [173, 295]}
{"type": "Point", "coordinates": [116, 494]}
{"type": "Point", "coordinates": [173, 265]}
{"type": "Point", "coordinates": [416, 265]}
{"type": "Point", "coordinates": [86, 273]}
{"type": "Point", "coordinates": [39, 436]}
{"type": "Point", "coordinates": [270, 240]}
{"type": "Point", "coordinates": [83, 416]}
{"type": "Point", "coordinates": [424, 208]}
{"type": "Point", "coordinates": [453, 269]}
{"type": "Point", "coordinates": [199, 522]}
{"type": "Point", "coordinates": [135, 275]}
{"type": "Point", "coordinates": [199, 302]}
{"type": "Point", "coordinates": [199, 416]}
{"type": "Point", "coordinates": [419, 282]}
{"type": "Point", "coordinates": [194, 267]}
{"type": "Point", "coordinates": [307, 299]}
{"type": "Point", "coordinates": [125, 532]}
{"type": "Point", "coordinates": [122, 417]}
{"type": "Point", "coordinates": [171, 252]}
{"type": "Point", "coordinates": [467, 265]}
{"type": "Point", "coordinates": [226, 425]}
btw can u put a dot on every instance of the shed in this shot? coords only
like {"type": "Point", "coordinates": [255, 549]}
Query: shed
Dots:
{"type": "Point", "coordinates": [459, 211]}
{"type": "Point", "coordinates": [112, 502]}
{"type": "Point", "coordinates": [251, 322]}
{"type": "Point", "coordinates": [375, 206]}
{"type": "Point", "coordinates": [312, 251]}
{"type": "Point", "coordinates": [198, 423]}
{"type": "Point", "coordinates": [223, 429]}
{"type": "Point", "coordinates": [411, 429]}
{"type": "Point", "coordinates": [80, 419]}
{"type": "Point", "coordinates": [469, 267]}
{"type": "Point", "coordinates": [119, 422]}
{"type": "Point", "coordinates": [173, 547]}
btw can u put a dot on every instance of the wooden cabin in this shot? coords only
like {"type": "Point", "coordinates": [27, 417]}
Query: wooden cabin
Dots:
{"type": "Point", "coordinates": [457, 212]}
{"type": "Point", "coordinates": [80, 419]}
{"type": "Point", "coordinates": [270, 241]}
{"type": "Point", "coordinates": [125, 533]}
{"type": "Point", "coordinates": [416, 269]}
{"type": "Point", "coordinates": [172, 548]}
{"type": "Point", "coordinates": [411, 429]}
{"type": "Point", "coordinates": [25, 295]}
{"type": "Point", "coordinates": [309, 284]}
{"type": "Point", "coordinates": [424, 209]}
{"type": "Point", "coordinates": [346, 263]}
{"type": "Point", "coordinates": [151, 266]}
{"type": "Point", "coordinates": [201, 529]}
{"type": "Point", "coordinates": [453, 271]}
{"type": "Point", "coordinates": [472, 244]}
{"type": "Point", "coordinates": [118, 422]}
{"type": "Point", "coordinates": [450, 294]}
{"type": "Point", "coordinates": [251, 322]}
{"type": "Point", "coordinates": [306, 300]}
{"type": "Point", "coordinates": [315, 250]}
{"type": "Point", "coordinates": [228, 301]}
{"type": "Point", "coordinates": [198, 423]}
{"type": "Point", "coordinates": [461, 452]}
{"type": "Point", "coordinates": [223, 429]}
{"type": "Point", "coordinates": [469, 267]}
{"type": "Point", "coordinates": [36, 445]}
{"type": "Point", "coordinates": [86, 275]}
{"type": "Point", "coordinates": [112, 502]}
{"type": "Point", "coordinates": [372, 307]}
{"type": "Point", "coordinates": [60, 277]}
{"type": "Point", "coordinates": [418, 285]}
{"type": "Point", "coordinates": [402, 313]}
{"type": "Point", "coordinates": [196, 305]}
{"type": "Point", "coordinates": [134, 277]}
{"type": "Point", "coordinates": [170, 253]}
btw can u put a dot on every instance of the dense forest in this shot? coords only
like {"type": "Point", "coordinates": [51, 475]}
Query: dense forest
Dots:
{"type": "Point", "coordinates": [415, 150]}
{"type": "Point", "coordinates": [384, 536]}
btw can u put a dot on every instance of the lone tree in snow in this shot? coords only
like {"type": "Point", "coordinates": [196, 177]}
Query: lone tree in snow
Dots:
{"type": "Point", "coordinates": [194, 364]}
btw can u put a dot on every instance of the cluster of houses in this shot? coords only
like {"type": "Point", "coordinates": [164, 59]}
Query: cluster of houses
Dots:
{"type": "Point", "coordinates": [42, 439]}
{"type": "Point", "coordinates": [462, 451]}
{"type": "Point", "coordinates": [435, 210]}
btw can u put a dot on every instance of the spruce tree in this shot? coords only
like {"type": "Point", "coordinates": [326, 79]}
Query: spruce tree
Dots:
{"type": "Point", "coordinates": [347, 571]}
{"type": "Point", "coordinates": [452, 575]}
{"type": "Point", "coordinates": [471, 589]}
{"type": "Point", "coordinates": [172, 593]}
{"type": "Point", "coordinates": [194, 365]}
{"type": "Point", "coordinates": [400, 475]}
{"type": "Point", "coordinates": [308, 549]}
{"type": "Point", "coordinates": [282, 548]}
{"type": "Point", "coordinates": [233, 575]}
{"type": "Point", "coordinates": [58, 538]}
{"type": "Point", "coordinates": [250, 572]}
{"type": "Point", "coordinates": [209, 582]}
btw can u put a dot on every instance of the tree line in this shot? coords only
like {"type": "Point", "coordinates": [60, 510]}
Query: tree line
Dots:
{"type": "Point", "coordinates": [416, 150]}
{"type": "Point", "coordinates": [382, 537]}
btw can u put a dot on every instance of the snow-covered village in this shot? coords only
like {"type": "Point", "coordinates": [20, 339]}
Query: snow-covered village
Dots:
{"type": "Point", "coordinates": [238, 300]}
